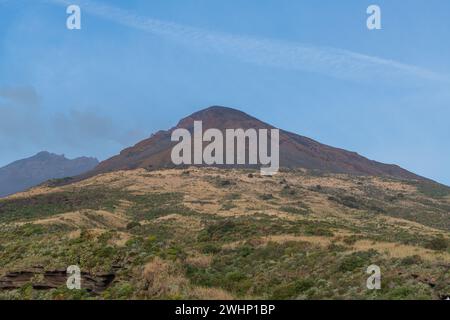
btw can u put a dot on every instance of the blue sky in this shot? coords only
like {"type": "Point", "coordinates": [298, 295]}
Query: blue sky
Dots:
{"type": "Point", "coordinates": [313, 68]}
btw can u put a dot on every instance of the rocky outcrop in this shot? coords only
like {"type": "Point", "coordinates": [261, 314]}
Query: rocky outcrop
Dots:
{"type": "Point", "coordinates": [41, 279]}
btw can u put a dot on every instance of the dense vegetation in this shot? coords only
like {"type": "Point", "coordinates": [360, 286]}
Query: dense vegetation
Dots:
{"type": "Point", "coordinates": [171, 245]}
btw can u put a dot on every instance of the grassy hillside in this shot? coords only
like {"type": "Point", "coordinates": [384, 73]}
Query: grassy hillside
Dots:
{"type": "Point", "coordinates": [225, 234]}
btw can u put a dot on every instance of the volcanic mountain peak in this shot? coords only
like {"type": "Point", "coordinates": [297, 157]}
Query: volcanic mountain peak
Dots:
{"type": "Point", "coordinates": [220, 111]}
{"type": "Point", "coordinates": [295, 151]}
{"type": "Point", "coordinates": [25, 173]}
{"type": "Point", "coordinates": [222, 118]}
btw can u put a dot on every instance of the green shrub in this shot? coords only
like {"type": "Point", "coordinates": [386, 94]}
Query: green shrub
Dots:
{"type": "Point", "coordinates": [210, 248]}
{"type": "Point", "coordinates": [356, 260]}
{"type": "Point", "coordinates": [228, 206]}
{"type": "Point", "coordinates": [294, 210]}
{"type": "Point", "coordinates": [438, 243]}
{"type": "Point", "coordinates": [217, 230]}
{"type": "Point", "coordinates": [313, 230]}
{"type": "Point", "coordinates": [120, 291]}
{"type": "Point", "coordinates": [292, 290]}
{"type": "Point", "coordinates": [44, 205]}
{"type": "Point", "coordinates": [266, 196]}
{"type": "Point", "coordinates": [132, 225]}
{"type": "Point", "coordinates": [411, 260]}
{"type": "Point", "coordinates": [433, 189]}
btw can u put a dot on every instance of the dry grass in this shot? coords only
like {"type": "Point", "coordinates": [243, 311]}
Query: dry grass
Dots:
{"type": "Point", "coordinates": [199, 260]}
{"type": "Point", "coordinates": [162, 279]}
{"type": "Point", "coordinates": [120, 239]}
{"type": "Point", "coordinates": [392, 185]}
{"type": "Point", "coordinates": [396, 250]}
{"type": "Point", "coordinates": [203, 293]}
{"type": "Point", "coordinates": [390, 249]}
{"type": "Point", "coordinates": [87, 219]}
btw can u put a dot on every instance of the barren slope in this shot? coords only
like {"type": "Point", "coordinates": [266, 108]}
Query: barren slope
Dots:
{"type": "Point", "coordinates": [295, 151]}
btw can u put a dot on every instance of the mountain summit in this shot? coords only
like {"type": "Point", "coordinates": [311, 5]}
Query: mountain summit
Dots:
{"type": "Point", "coordinates": [26, 173]}
{"type": "Point", "coordinates": [295, 151]}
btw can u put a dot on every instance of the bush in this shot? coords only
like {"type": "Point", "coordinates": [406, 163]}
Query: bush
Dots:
{"type": "Point", "coordinates": [294, 210]}
{"type": "Point", "coordinates": [210, 248]}
{"type": "Point", "coordinates": [121, 291]}
{"type": "Point", "coordinates": [228, 206]}
{"type": "Point", "coordinates": [433, 190]}
{"type": "Point", "coordinates": [292, 290]}
{"type": "Point", "coordinates": [266, 196]}
{"type": "Point", "coordinates": [438, 243]}
{"type": "Point", "coordinates": [411, 260]}
{"type": "Point", "coordinates": [356, 260]}
{"type": "Point", "coordinates": [318, 231]}
{"type": "Point", "coordinates": [217, 230]}
{"type": "Point", "coordinates": [132, 225]}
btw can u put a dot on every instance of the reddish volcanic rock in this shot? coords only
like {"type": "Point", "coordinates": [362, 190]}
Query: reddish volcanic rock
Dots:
{"type": "Point", "coordinates": [295, 151]}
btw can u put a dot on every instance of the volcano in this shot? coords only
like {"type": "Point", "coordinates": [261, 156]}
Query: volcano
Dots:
{"type": "Point", "coordinates": [296, 151]}
{"type": "Point", "coordinates": [26, 173]}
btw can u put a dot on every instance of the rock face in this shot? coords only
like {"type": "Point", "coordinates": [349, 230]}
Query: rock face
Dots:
{"type": "Point", "coordinates": [295, 151]}
{"type": "Point", "coordinates": [52, 279]}
{"type": "Point", "coordinates": [26, 173]}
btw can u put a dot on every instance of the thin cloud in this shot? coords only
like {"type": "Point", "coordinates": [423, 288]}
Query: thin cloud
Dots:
{"type": "Point", "coordinates": [77, 127]}
{"type": "Point", "coordinates": [19, 112]}
{"type": "Point", "coordinates": [294, 56]}
{"type": "Point", "coordinates": [24, 122]}
{"type": "Point", "coordinates": [25, 95]}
